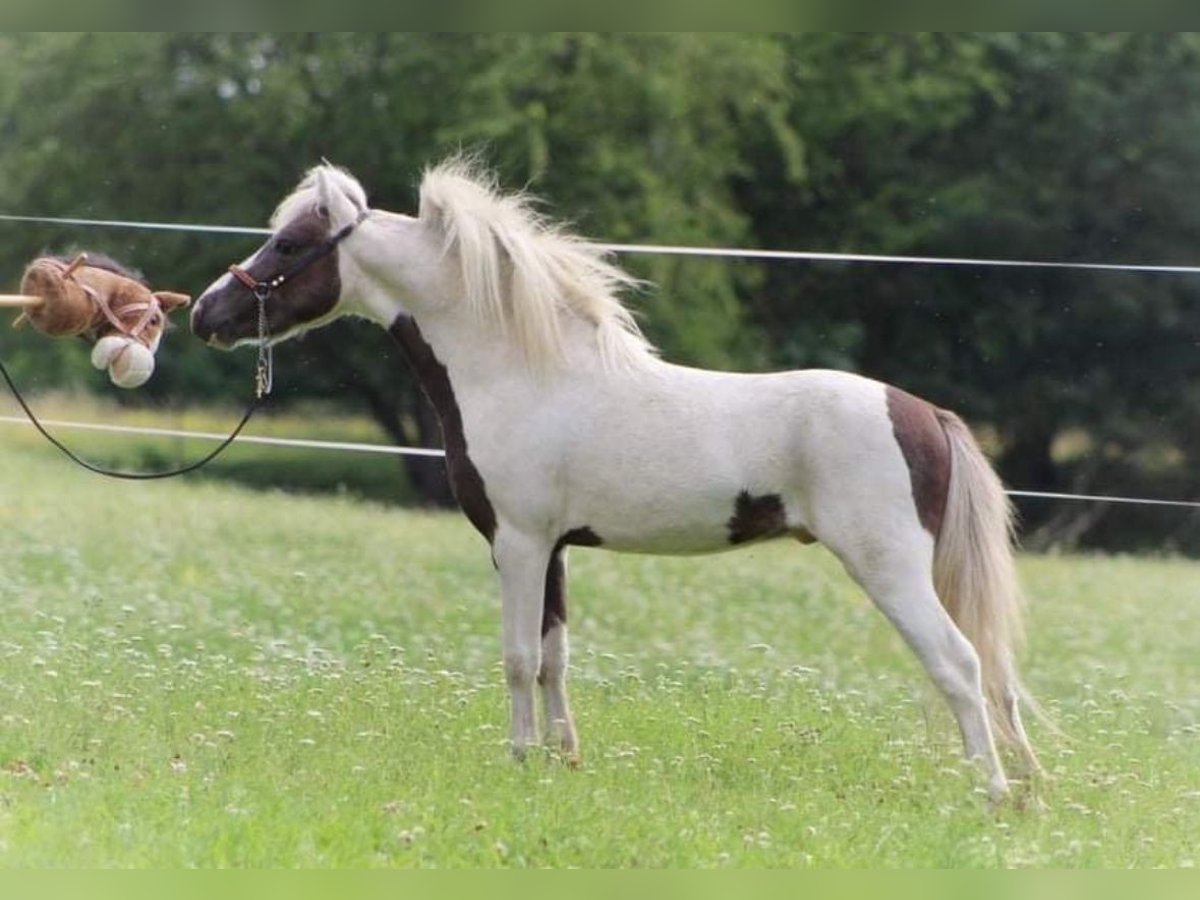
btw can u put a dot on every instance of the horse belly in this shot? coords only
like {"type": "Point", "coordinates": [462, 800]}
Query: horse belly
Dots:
{"type": "Point", "coordinates": [680, 508]}
{"type": "Point", "coordinates": [642, 531]}
{"type": "Point", "coordinates": [735, 459]}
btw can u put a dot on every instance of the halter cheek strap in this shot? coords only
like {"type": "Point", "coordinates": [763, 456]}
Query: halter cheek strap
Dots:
{"type": "Point", "coordinates": [147, 309]}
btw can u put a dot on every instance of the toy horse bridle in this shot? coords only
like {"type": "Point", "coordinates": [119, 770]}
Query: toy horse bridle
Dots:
{"type": "Point", "coordinates": [148, 309]}
{"type": "Point", "coordinates": [148, 312]}
{"type": "Point", "coordinates": [262, 290]}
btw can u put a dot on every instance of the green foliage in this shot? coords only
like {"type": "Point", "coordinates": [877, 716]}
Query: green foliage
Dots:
{"type": "Point", "coordinates": [1018, 146]}
{"type": "Point", "coordinates": [1074, 146]}
{"type": "Point", "coordinates": [291, 682]}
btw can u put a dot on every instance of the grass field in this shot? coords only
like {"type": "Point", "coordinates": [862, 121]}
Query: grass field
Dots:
{"type": "Point", "coordinates": [193, 674]}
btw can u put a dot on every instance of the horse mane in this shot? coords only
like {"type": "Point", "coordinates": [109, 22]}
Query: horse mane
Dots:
{"type": "Point", "coordinates": [524, 272]}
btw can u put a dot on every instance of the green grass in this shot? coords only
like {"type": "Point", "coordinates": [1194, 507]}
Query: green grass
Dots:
{"type": "Point", "coordinates": [193, 674]}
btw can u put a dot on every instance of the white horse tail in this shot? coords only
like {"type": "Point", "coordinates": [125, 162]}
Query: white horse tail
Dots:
{"type": "Point", "coordinates": [975, 576]}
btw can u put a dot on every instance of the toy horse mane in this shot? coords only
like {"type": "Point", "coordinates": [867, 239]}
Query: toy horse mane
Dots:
{"type": "Point", "coordinates": [525, 273]}
{"type": "Point", "coordinates": [105, 262]}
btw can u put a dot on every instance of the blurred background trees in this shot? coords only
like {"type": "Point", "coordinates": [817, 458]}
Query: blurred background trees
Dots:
{"type": "Point", "coordinates": [1033, 146]}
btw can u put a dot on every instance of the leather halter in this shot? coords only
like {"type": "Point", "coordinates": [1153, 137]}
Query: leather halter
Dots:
{"type": "Point", "coordinates": [262, 290]}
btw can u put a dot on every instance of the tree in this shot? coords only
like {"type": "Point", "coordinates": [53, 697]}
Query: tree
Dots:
{"type": "Point", "coordinates": [1024, 146]}
{"type": "Point", "coordinates": [1040, 146]}
{"type": "Point", "coordinates": [227, 123]}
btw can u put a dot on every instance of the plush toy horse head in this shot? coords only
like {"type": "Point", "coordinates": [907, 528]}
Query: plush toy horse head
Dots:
{"type": "Point", "coordinates": [112, 306]}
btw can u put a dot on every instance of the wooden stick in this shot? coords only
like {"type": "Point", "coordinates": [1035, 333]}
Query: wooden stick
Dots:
{"type": "Point", "coordinates": [21, 300]}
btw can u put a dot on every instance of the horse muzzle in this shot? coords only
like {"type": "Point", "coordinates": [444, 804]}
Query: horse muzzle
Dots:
{"type": "Point", "coordinates": [211, 324]}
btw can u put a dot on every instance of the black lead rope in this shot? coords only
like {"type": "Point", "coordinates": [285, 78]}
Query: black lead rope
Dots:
{"type": "Point", "coordinates": [262, 387]}
{"type": "Point", "coordinates": [263, 373]}
{"type": "Point", "coordinates": [129, 476]}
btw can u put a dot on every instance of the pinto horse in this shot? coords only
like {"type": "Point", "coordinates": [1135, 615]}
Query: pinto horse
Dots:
{"type": "Point", "coordinates": [563, 427]}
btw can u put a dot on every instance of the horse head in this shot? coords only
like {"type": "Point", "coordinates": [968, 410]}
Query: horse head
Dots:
{"type": "Point", "coordinates": [294, 281]}
{"type": "Point", "coordinates": [96, 297]}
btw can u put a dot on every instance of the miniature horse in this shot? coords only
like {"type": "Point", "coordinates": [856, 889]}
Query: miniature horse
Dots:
{"type": "Point", "coordinates": [563, 427]}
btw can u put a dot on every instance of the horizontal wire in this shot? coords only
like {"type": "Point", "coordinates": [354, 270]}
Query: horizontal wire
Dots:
{"type": "Point", "coordinates": [662, 249]}
{"type": "Point", "coordinates": [396, 450]}
{"type": "Point", "coordinates": [679, 250]}
{"type": "Point", "coordinates": [818, 256]}
{"type": "Point", "coordinates": [241, 439]}
{"type": "Point", "coordinates": [1103, 498]}
{"type": "Point", "coordinates": [145, 226]}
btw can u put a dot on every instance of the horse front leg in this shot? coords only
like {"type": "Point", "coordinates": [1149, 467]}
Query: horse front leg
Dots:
{"type": "Point", "coordinates": [560, 728]}
{"type": "Point", "coordinates": [522, 562]}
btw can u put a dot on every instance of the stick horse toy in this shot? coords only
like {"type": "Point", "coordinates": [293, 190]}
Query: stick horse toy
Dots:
{"type": "Point", "coordinates": [98, 298]}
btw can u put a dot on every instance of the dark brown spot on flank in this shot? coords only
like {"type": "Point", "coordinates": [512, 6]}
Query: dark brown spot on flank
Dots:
{"type": "Point", "coordinates": [554, 610]}
{"type": "Point", "coordinates": [465, 480]}
{"type": "Point", "coordinates": [926, 451]}
{"type": "Point", "coordinates": [756, 518]}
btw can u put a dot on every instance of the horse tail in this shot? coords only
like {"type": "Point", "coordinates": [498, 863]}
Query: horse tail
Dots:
{"type": "Point", "coordinates": [975, 576]}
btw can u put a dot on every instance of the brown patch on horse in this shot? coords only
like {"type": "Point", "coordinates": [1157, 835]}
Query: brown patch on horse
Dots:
{"type": "Point", "coordinates": [230, 313]}
{"type": "Point", "coordinates": [803, 535]}
{"type": "Point", "coordinates": [315, 289]}
{"type": "Point", "coordinates": [554, 606]}
{"type": "Point", "coordinates": [579, 537]}
{"type": "Point", "coordinates": [757, 518]}
{"type": "Point", "coordinates": [554, 609]}
{"type": "Point", "coordinates": [926, 450]}
{"type": "Point", "coordinates": [465, 480]}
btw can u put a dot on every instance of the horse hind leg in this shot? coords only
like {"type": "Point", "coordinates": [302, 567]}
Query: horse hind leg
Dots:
{"type": "Point", "coordinates": [898, 579]}
{"type": "Point", "coordinates": [552, 676]}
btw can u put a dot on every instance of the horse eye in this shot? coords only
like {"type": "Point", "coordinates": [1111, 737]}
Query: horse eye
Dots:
{"type": "Point", "coordinates": [285, 247]}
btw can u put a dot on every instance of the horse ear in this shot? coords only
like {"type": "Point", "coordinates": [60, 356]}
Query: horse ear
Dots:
{"type": "Point", "coordinates": [172, 301]}
{"type": "Point", "coordinates": [338, 204]}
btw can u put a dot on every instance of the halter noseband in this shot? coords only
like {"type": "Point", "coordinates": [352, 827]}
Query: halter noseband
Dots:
{"type": "Point", "coordinates": [262, 290]}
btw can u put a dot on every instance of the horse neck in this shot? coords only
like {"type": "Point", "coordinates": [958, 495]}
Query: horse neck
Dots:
{"type": "Point", "coordinates": [424, 286]}
{"type": "Point", "coordinates": [474, 353]}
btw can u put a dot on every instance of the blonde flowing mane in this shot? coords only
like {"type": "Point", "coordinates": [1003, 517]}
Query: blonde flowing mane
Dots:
{"type": "Point", "coordinates": [524, 273]}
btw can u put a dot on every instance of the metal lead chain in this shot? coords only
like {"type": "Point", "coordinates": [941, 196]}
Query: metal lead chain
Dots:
{"type": "Point", "coordinates": [264, 373]}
